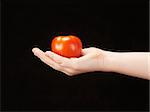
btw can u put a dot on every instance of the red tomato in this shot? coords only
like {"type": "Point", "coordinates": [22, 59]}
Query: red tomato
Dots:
{"type": "Point", "coordinates": [67, 46]}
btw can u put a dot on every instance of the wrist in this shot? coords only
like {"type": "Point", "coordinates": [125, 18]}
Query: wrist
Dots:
{"type": "Point", "coordinates": [111, 61]}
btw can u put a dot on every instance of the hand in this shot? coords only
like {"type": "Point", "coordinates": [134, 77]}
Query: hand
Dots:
{"type": "Point", "coordinates": [92, 59]}
{"type": "Point", "coordinates": [134, 64]}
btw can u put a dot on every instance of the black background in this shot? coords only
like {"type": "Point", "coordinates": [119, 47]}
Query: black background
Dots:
{"type": "Point", "coordinates": [29, 84]}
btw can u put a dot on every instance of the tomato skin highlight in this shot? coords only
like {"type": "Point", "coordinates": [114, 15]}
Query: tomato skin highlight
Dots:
{"type": "Point", "coordinates": [68, 46]}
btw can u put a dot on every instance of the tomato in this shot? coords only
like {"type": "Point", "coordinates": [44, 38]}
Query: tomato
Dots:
{"type": "Point", "coordinates": [67, 46]}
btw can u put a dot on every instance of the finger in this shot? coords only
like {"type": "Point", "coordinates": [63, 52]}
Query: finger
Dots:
{"type": "Point", "coordinates": [58, 59]}
{"type": "Point", "coordinates": [85, 57]}
{"type": "Point", "coordinates": [91, 52]}
{"type": "Point", "coordinates": [40, 54]}
{"type": "Point", "coordinates": [88, 50]}
{"type": "Point", "coordinates": [85, 51]}
{"type": "Point", "coordinates": [47, 60]}
{"type": "Point", "coordinates": [66, 63]}
{"type": "Point", "coordinates": [35, 50]}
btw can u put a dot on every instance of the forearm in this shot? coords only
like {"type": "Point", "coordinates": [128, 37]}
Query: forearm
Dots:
{"type": "Point", "coordinates": [133, 64]}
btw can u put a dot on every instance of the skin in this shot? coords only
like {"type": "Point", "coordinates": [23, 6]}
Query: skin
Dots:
{"type": "Point", "coordinates": [135, 64]}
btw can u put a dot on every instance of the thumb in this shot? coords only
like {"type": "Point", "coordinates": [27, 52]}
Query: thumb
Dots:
{"type": "Point", "coordinates": [89, 50]}
{"type": "Point", "coordinates": [85, 51]}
